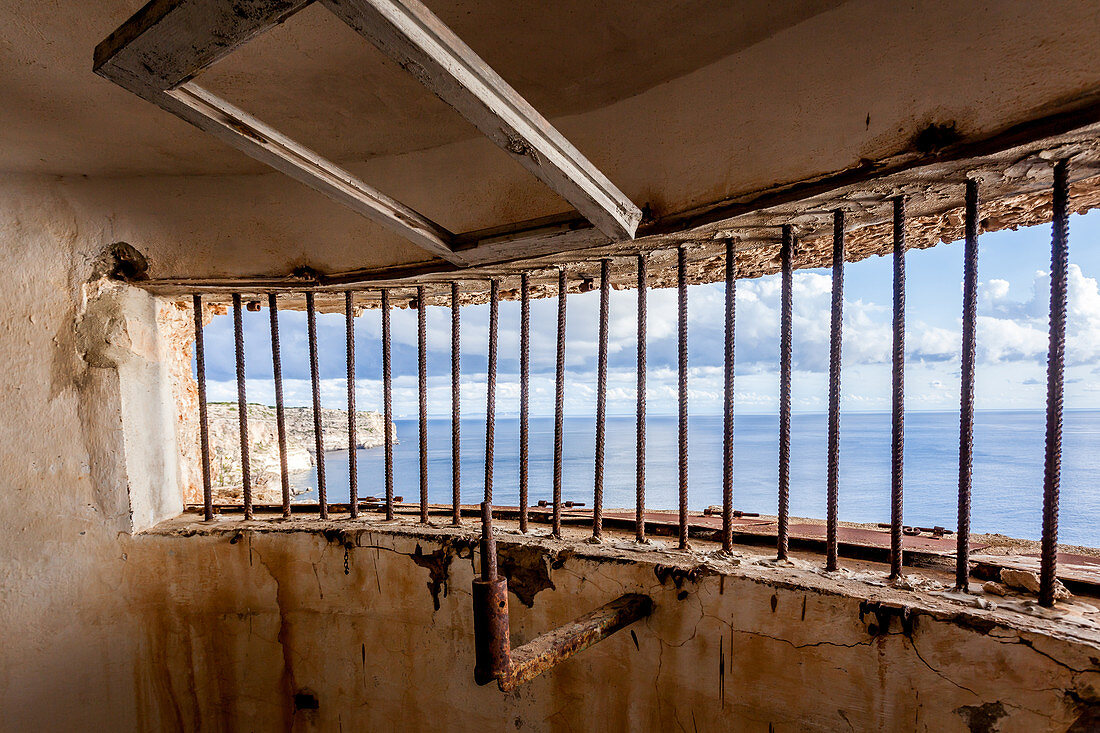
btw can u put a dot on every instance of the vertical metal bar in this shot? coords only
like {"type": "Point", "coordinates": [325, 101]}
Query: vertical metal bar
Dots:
{"type": "Point", "coordinates": [488, 546]}
{"type": "Point", "coordinates": [456, 435]}
{"type": "Point", "coordinates": [1059, 264]}
{"type": "Point", "coordinates": [491, 393]}
{"type": "Point", "coordinates": [387, 401]}
{"type": "Point", "coordinates": [639, 509]}
{"type": "Point", "coordinates": [682, 385]}
{"type": "Point", "coordinates": [524, 395]}
{"type": "Point", "coordinates": [280, 417]}
{"type": "Point", "coordinates": [242, 406]}
{"type": "Point", "coordinates": [601, 398]}
{"type": "Point", "coordinates": [835, 333]}
{"type": "Point", "coordinates": [422, 373]}
{"type": "Point", "coordinates": [966, 399]}
{"type": "Point", "coordinates": [318, 428]}
{"type": "Point", "coordinates": [559, 401]}
{"type": "Point", "coordinates": [897, 445]}
{"type": "Point", "coordinates": [728, 402]}
{"type": "Point", "coordinates": [204, 428]}
{"type": "Point", "coordinates": [786, 308]}
{"type": "Point", "coordinates": [353, 473]}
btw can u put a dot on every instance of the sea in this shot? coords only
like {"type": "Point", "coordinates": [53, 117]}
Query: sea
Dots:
{"type": "Point", "coordinates": [1007, 467]}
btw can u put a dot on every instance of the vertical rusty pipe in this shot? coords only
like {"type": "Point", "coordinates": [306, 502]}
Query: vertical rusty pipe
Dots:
{"type": "Point", "coordinates": [491, 392]}
{"type": "Point", "coordinates": [786, 252]}
{"type": "Point", "coordinates": [456, 434]}
{"type": "Point", "coordinates": [387, 401]}
{"type": "Point", "coordinates": [492, 646]}
{"type": "Point", "coordinates": [682, 387]}
{"type": "Point", "coordinates": [524, 395]}
{"type": "Point", "coordinates": [318, 428]}
{"type": "Point", "coordinates": [966, 398]}
{"type": "Point", "coordinates": [422, 374]}
{"type": "Point", "coordinates": [836, 327]}
{"type": "Point", "coordinates": [639, 448]}
{"type": "Point", "coordinates": [488, 543]}
{"type": "Point", "coordinates": [601, 398]}
{"type": "Point", "coordinates": [242, 406]}
{"type": "Point", "coordinates": [280, 416]}
{"type": "Point", "coordinates": [559, 401]}
{"type": "Point", "coordinates": [204, 427]}
{"type": "Point", "coordinates": [353, 474]}
{"type": "Point", "coordinates": [1059, 264]}
{"type": "Point", "coordinates": [727, 399]}
{"type": "Point", "coordinates": [897, 445]}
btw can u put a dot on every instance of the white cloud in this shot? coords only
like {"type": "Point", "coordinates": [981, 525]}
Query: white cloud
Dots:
{"type": "Point", "coordinates": [1011, 344]}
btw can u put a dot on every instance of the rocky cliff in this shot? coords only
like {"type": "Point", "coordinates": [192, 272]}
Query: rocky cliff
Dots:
{"type": "Point", "coordinates": [263, 445]}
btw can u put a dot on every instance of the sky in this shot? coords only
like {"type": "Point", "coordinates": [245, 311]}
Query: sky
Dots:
{"type": "Point", "coordinates": [1014, 296]}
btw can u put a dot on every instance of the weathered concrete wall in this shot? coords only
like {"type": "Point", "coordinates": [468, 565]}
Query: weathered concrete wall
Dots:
{"type": "Point", "coordinates": [241, 630]}
{"type": "Point", "coordinates": [70, 643]}
{"type": "Point", "coordinates": [371, 629]}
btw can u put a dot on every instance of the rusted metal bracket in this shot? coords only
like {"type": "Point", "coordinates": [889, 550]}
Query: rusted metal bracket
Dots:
{"type": "Point", "coordinates": [494, 657]}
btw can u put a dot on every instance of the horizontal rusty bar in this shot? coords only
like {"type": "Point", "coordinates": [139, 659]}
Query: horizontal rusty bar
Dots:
{"type": "Point", "coordinates": [303, 507]}
{"type": "Point", "coordinates": [544, 652]}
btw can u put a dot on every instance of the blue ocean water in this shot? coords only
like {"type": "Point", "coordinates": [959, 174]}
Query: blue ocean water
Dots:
{"type": "Point", "coordinates": [1008, 467]}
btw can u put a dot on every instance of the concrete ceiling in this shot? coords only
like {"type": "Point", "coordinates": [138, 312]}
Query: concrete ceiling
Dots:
{"type": "Point", "coordinates": [697, 111]}
{"type": "Point", "coordinates": [319, 82]}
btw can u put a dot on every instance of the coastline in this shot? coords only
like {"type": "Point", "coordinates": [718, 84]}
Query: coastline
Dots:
{"type": "Point", "coordinates": [263, 446]}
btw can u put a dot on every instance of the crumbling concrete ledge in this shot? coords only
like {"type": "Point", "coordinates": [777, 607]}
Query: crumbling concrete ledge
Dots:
{"type": "Point", "coordinates": [370, 623]}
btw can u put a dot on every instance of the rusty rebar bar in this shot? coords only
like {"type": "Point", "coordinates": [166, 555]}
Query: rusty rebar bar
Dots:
{"type": "Point", "coordinates": [966, 397]}
{"type": "Point", "coordinates": [682, 388]}
{"type": "Point", "coordinates": [546, 651]}
{"type": "Point", "coordinates": [559, 400]}
{"type": "Point", "coordinates": [786, 308]}
{"type": "Point", "coordinates": [318, 428]}
{"type": "Point", "coordinates": [387, 401]}
{"type": "Point", "coordinates": [1059, 264]}
{"type": "Point", "coordinates": [353, 474]}
{"type": "Point", "coordinates": [204, 426]}
{"type": "Point", "coordinates": [897, 406]}
{"type": "Point", "coordinates": [524, 395]}
{"type": "Point", "coordinates": [728, 398]}
{"type": "Point", "coordinates": [456, 431]}
{"type": "Point", "coordinates": [488, 544]}
{"type": "Point", "coordinates": [242, 406]}
{"type": "Point", "coordinates": [639, 448]}
{"type": "Point", "coordinates": [836, 326]}
{"type": "Point", "coordinates": [280, 416]}
{"type": "Point", "coordinates": [601, 398]}
{"type": "Point", "coordinates": [491, 391]}
{"type": "Point", "coordinates": [422, 390]}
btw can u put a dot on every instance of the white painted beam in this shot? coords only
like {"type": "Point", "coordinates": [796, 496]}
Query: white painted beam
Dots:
{"type": "Point", "coordinates": [238, 128]}
{"type": "Point", "coordinates": [415, 38]}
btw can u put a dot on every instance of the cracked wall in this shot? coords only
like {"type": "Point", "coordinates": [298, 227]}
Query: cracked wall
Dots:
{"type": "Point", "coordinates": [382, 639]}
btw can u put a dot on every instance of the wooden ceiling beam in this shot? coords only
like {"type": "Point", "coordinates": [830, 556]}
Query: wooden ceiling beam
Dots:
{"type": "Point", "coordinates": [411, 35]}
{"type": "Point", "coordinates": [236, 127]}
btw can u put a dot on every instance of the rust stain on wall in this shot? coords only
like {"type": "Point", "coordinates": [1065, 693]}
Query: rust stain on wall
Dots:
{"type": "Point", "coordinates": [438, 564]}
{"type": "Point", "coordinates": [528, 570]}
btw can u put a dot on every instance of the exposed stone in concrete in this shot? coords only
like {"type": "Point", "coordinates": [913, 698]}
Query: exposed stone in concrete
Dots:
{"type": "Point", "coordinates": [1028, 581]}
